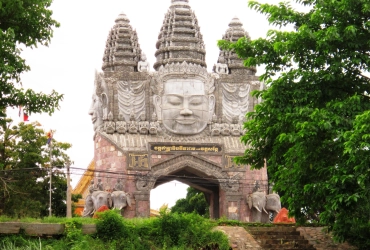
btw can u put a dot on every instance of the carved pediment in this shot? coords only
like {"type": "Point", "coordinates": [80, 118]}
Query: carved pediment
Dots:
{"type": "Point", "coordinates": [209, 169]}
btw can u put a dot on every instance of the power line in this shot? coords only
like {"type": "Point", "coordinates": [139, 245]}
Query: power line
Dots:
{"type": "Point", "coordinates": [197, 180]}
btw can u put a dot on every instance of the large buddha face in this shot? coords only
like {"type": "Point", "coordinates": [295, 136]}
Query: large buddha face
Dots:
{"type": "Point", "coordinates": [184, 107]}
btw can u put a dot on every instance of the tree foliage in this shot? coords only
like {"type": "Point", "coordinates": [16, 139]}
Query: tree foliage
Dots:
{"type": "Point", "coordinates": [313, 124]}
{"type": "Point", "coordinates": [194, 202]}
{"type": "Point", "coordinates": [24, 172]}
{"type": "Point", "coordinates": [26, 23]}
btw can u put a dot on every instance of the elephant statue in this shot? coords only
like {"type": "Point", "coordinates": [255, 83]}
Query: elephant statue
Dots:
{"type": "Point", "coordinates": [120, 200]}
{"type": "Point", "coordinates": [89, 207]}
{"type": "Point", "coordinates": [95, 200]}
{"type": "Point", "coordinates": [261, 204]}
{"type": "Point", "coordinates": [273, 204]}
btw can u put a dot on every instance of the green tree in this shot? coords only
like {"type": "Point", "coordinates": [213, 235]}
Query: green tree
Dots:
{"type": "Point", "coordinates": [195, 202]}
{"type": "Point", "coordinates": [25, 23]}
{"type": "Point", "coordinates": [24, 178]}
{"type": "Point", "coordinates": [313, 124]}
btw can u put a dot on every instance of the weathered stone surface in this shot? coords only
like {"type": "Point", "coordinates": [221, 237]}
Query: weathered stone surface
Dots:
{"type": "Point", "coordinates": [181, 104]}
{"type": "Point", "coordinates": [321, 239]}
{"type": "Point", "coordinates": [39, 229]}
{"type": "Point", "coordinates": [10, 227]}
{"type": "Point", "coordinates": [239, 238]}
{"type": "Point", "coordinates": [88, 228]}
{"type": "Point", "coordinates": [281, 237]}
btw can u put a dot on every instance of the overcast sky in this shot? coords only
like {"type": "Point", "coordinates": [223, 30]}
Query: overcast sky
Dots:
{"type": "Point", "coordinates": [76, 51]}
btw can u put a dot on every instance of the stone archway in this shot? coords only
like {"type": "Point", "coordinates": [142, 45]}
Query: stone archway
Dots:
{"type": "Point", "coordinates": [195, 171]}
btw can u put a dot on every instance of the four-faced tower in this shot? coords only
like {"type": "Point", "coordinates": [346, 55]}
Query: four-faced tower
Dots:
{"type": "Point", "coordinates": [179, 122]}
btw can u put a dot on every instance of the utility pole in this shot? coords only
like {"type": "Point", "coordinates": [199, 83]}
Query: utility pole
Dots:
{"type": "Point", "coordinates": [51, 174]}
{"type": "Point", "coordinates": [69, 208]}
{"type": "Point", "coordinates": [50, 143]}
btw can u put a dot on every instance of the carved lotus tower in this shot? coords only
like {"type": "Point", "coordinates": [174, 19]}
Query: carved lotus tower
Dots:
{"type": "Point", "coordinates": [179, 122]}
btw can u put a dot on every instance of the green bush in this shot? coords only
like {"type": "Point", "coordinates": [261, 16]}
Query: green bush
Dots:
{"type": "Point", "coordinates": [186, 231]}
{"type": "Point", "coordinates": [110, 226]}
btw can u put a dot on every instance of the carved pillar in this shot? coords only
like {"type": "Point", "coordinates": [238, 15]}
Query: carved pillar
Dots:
{"type": "Point", "coordinates": [142, 206]}
{"type": "Point", "coordinates": [233, 205]}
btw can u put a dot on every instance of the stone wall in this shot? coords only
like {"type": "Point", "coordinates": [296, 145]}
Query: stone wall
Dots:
{"type": "Point", "coordinates": [321, 239]}
{"type": "Point", "coordinates": [110, 159]}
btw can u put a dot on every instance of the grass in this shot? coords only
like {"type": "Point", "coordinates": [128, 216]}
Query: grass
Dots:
{"type": "Point", "coordinates": [57, 220]}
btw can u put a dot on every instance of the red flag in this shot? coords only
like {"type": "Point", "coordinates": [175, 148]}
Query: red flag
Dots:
{"type": "Point", "coordinates": [25, 117]}
{"type": "Point", "coordinates": [23, 114]}
{"type": "Point", "coordinates": [49, 135]}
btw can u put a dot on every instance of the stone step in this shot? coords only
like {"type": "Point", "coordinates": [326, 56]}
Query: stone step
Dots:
{"type": "Point", "coordinates": [283, 241]}
{"type": "Point", "coordinates": [272, 229]}
{"type": "Point", "coordinates": [279, 237]}
{"type": "Point", "coordinates": [275, 247]}
{"type": "Point", "coordinates": [308, 247]}
{"type": "Point", "coordinates": [274, 233]}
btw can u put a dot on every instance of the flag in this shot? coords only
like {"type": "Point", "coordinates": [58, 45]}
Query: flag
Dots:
{"type": "Point", "coordinates": [25, 117]}
{"type": "Point", "coordinates": [49, 135]}
{"type": "Point", "coordinates": [23, 114]}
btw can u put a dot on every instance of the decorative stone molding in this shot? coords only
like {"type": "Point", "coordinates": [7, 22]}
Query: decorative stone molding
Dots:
{"type": "Point", "coordinates": [210, 169]}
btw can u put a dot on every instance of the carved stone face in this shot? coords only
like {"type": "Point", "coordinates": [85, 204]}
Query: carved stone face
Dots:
{"type": "Point", "coordinates": [96, 112]}
{"type": "Point", "coordinates": [184, 107]}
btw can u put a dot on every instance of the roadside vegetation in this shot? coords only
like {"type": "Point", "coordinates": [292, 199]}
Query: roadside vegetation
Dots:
{"type": "Point", "coordinates": [168, 231]}
{"type": "Point", "coordinates": [312, 127]}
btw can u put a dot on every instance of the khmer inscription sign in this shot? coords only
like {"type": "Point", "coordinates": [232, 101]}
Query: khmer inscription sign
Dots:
{"type": "Point", "coordinates": [187, 148]}
{"type": "Point", "coordinates": [138, 161]}
{"type": "Point", "coordinates": [230, 164]}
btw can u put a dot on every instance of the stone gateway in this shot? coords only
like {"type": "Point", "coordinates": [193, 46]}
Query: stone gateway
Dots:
{"type": "Point", "coordinates": [178, 122]}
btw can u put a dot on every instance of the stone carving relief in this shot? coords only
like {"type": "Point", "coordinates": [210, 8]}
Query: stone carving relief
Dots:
{"type": "Point", "coordinates": [154, 127]}
{"type": "Point", "coordinates": [131, 98]}
{"type": "Point", "coordinates": [232, 183]}
{"type": "Point", "coordinates": [184, 102]}
{"type": "Point", "coordinates": [121, 125]}
{"type": "Point", "coordinates": [99, 105]}
{"type": "Point", "coordinates": [221, 67]}
{"type": "Point", "coordinates": [235, 100]}
{"type": "Point", "coordinates": [231, 165]}
{"type": "Point", "coordinates": [110, 125]}
{"type": "Point", "coordinates": [228, 184]}
{"type": "Point", "coordinates": [133, 125]}
{"type": "Point", "coordinates": [143, 125]}
{"type": "Point", "coordinates": [144, 182]}
{"type": "Point", "coordinates": [143, 65]}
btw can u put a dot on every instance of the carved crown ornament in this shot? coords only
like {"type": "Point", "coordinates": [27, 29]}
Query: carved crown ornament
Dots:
{"type": "Point", "coordinates": [183, 70]}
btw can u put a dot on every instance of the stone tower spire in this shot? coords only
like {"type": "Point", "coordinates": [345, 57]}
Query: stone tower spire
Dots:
{"type": "Point", "coordinates": [180, 39]}
{"type": "Point", "coordinates": [122, 49]}
{"type": "Point", "coordinates": [234, 63]}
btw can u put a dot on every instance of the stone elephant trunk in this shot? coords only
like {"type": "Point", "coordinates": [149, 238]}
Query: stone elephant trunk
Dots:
{"type": "Point", "coordinates": [120, 200]}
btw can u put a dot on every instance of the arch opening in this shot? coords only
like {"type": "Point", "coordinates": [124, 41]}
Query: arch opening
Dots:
{"type": "Point", "coordinates": [208, 185]}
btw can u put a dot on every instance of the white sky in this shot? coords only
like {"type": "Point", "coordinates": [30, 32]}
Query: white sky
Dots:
{"type": "Point", "coordinates": [77, 48]}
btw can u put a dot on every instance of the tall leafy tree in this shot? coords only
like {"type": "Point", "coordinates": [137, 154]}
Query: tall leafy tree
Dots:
{"type": "Point", "coordinates": [195, 202]}
{"type": "Point", "coordinates": [25, 167]}
{"type": "Point", "coordinates": [312, 127]}
{"type": "Point", "coordinates": [25, 23]}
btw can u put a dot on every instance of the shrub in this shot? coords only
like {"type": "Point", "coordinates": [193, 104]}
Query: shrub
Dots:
{"type": "Point", "coordinates": [187, 231]}
{"type": "Point", "coordinates": [110, 226]}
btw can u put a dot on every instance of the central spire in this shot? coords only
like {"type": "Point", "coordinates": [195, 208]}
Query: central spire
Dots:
{"type": "Point", "coordinates": [180, 39]}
